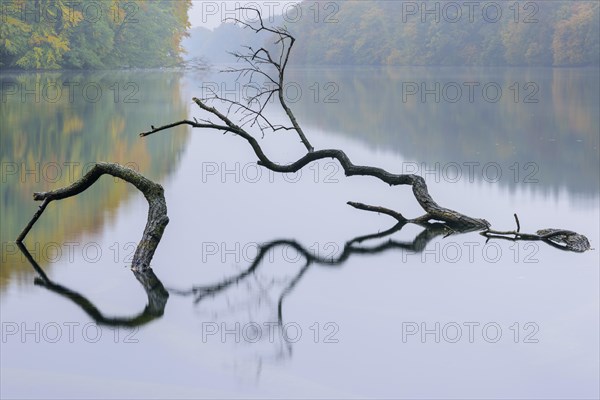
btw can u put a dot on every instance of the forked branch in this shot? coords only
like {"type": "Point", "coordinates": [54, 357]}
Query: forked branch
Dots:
{"type": "Point", "coordinates": [433, 210]}
{"type": "Point", "coordinates": [261, 62]}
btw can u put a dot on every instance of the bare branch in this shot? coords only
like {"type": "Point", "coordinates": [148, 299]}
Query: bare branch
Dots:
{"type": "Point", "coordinates": [153, 192]}
{"type": "Point", "coordinates": [256, 60]}
{"type": "Point", "coordinates": [262, 56]}
{"type": "Point", "coordinates": [561, 238]}
{"type": "Point", "coordinates": [378, 209]}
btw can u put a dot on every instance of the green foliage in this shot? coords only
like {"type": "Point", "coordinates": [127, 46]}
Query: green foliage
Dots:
{"type": "Point", "coordinates": [385, 33]}
{"type": "Point", "coordinates": [576, 37]}
{"type": "Point", "coordinates": [44, 136]}
{"type": "Point", "coordinates": [54, 34]}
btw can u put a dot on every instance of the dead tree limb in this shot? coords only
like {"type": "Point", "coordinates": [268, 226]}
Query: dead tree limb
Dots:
{"type": "Point", "coordinates": [153, 192]}
{"type": "Point", "coordinates": [255, 60]}
{"type": "Point", "coordinates": [262, 62]}
{"type": "Point", "coordinates": [434, 211]}
{"type": "Point", "coordinates": [560, 238]}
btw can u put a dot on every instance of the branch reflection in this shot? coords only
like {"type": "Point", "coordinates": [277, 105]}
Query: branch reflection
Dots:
{"type": "Point", "coordinates": [255, 296]}
{"type": "Point", "coordinates": [157, 296]}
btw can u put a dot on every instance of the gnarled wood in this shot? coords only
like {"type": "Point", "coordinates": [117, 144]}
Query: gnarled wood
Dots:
{"type": "Point", "coordinates": [434, 211]}
{"type": "Point", "coordinates": [560, 238]}
{"type": "Point", "coordinates": [260, 62]}
{"type": "Point", "coordinates": [153, 192]}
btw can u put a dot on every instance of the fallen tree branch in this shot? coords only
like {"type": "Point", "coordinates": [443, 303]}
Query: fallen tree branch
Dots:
{"type": "Point", "coordinates": [420, 191]}
{"type": "Point", "coordinates": [559, 238]}
{"type": "Point", "coordinates": [153, 192]}
{"type": "Point", "coordinates": [259, 63]}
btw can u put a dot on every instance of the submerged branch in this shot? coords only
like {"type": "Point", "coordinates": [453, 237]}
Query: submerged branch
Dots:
{"type": "Point", "coordinates": [559, 238]}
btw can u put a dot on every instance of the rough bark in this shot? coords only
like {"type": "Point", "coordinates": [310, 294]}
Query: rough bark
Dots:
{"type": "Point", "coordinates": [153, 192]}
{"type": "Point", "coordinates": [560, 238]}
{"type": "Point", "coordinates": [420, 191]}
{"type": "Point", "coordinates": [260, 63]}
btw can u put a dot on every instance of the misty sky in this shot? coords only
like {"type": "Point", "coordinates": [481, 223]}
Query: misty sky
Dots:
{"type": "Point", "coordinates": [209, 14]}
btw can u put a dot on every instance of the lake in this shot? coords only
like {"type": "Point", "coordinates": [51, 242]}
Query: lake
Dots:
{"type": "Point", "coordinates": [404, 314]}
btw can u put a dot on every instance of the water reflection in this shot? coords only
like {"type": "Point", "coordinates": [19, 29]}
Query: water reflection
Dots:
{"type": "Point", "coordinates": [369, 298]}
{"type": "Point", "coordinates": [251, 294]}
{"type": "Point", "coordinates": [55, 126]}
{"type": "Point", "coordinates": [254, 294]}
{"type": "Point", "coordinates": [157, 296]}
{"type": "Point", "coordinates": [539, 124]}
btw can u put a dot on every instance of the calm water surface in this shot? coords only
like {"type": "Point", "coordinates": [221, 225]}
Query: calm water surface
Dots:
{"type": "Point", "coordinates": [459, 318]}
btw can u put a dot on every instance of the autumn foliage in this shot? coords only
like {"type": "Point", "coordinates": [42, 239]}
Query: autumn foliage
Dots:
{"type": "Point", "coordinates": [54, 34]}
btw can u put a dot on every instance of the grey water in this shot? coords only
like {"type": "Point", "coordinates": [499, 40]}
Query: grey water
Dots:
{"type": "Point", "coordinates": [458, 317]}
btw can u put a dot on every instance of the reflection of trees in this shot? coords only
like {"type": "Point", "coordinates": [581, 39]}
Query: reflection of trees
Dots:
{"type": "Point", "coordinates": [153, 231]}
{"type": "Point", "coordinates": [65, 136]}
{"type": "Point", "coordinates": [559, 130]}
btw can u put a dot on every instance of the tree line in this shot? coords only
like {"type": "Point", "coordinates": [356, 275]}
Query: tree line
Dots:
{"type": "Point", "coordinates": [548, 33]}
{"type": "Point", "coordinates": [57, 34]}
